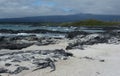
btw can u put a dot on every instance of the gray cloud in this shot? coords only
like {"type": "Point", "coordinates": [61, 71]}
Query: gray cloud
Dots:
{"type": "Point", "coordinates": [22, 8]}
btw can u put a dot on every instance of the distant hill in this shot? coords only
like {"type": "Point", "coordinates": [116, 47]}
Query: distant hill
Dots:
{"type": "Point", "coordinates": [63, 18]}
{"type": "Point", "coordinates": [90, 22]}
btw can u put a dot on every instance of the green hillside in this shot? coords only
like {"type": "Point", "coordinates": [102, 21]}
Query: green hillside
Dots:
{"type": "Point", "coordinates": [90, 22]}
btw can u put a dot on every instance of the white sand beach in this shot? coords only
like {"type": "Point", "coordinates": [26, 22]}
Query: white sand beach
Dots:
{"type": "Point", "coordinates": [79, 66]}
{"type": "Point", "coordinates": [95, 60]}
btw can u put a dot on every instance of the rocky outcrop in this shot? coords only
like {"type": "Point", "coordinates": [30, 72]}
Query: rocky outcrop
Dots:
{"type": "Point", "coordinates": [13, 46]}
{"type": "Point", "coordinates": [20, 42]}
{"type": "Point", "coordinates": [3, 70]}
{"type": "Point", "coordinates": [81, 40]}
{"type": "Point", "coordinates": [73, 34]}
{"type": "Point", "coordinates": [29, 31]}
{"type": "Point", "coordinates": [19, 69]}
{"type": "Point", "coordinates": [38, 59]}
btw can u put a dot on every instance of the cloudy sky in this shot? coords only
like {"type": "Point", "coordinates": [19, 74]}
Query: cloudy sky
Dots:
{"type": "Point", "coordinates": [23, 8]}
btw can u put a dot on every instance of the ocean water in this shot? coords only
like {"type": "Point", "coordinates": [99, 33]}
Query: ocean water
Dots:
{"type": "Point", "coordinates": [30, 27]}
{"type": "Point", "coordinates": [51, 28]}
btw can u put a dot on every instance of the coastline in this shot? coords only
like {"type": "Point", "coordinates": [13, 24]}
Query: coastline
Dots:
{"type": "Point", "coordinates": [85, 62]}
{"type": "Point", "coordinates": [78, 53]}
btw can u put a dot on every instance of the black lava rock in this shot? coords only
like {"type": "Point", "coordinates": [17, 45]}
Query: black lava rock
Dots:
{"type": "Point", "coordinates": [2, 70]}
{"type": "Point", "coordinates": [8, 64]}
{"type": "Point", "coordinates": [19, 69]}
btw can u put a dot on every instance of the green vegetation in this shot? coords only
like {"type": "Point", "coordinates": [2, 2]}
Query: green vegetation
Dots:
{"type": "Point", "coordinates": [90, 22]}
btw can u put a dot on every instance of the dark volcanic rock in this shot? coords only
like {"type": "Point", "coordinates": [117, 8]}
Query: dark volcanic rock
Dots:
{"type": "Point", "coordinates": [39, 59]}
{"type": "Point", "coordinates": [19, 42]}
{"type": "Point", "coordinates": [29, 31]}
{"type": "Point", "coordinates": [15, 60]}
{"type": "Point", "coordinates": [19, 69]}
{"type": "Point", "coordinates": [102, 60]}
{"type": "Point", "coordinates": [48, 63]}
{"type": "Point", "coordinates": [13, 46]}
{"type": "Point", "coordinates": [71, 46]}
{"type": "Point", "coordinates": [80, 41]}
{"type": "Point", "coordinates": [8, 64]}
{"type": "Point", "coordinates": [75, 33]}
{"type": "Point", "coordinates": [2, 70]}
{"type": "Point", "coordinates": [62, 52]}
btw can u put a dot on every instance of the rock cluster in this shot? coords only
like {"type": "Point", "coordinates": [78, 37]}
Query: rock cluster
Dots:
{"type": "Point", "coordinates": [82, 39]}
{"type": "Point", "coordinates": [20, 42]}
{"type": "Point", "coordinates": [34, 60]}
{"type": "Point", "coordinates": [29, 31]}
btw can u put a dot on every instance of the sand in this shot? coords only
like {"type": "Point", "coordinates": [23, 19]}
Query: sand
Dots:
{"type": "Point", "coordinates": [79, 66]}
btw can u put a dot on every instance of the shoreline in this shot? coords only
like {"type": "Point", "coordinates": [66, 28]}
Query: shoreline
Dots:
{"type": "Point", "coordinates": [78, 53]}
{"type": "Point", "coordinates": [85, 62]}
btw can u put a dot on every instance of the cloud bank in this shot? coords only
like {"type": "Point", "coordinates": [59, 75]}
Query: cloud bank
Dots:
{"type": "Point", "coordinates": [23, 8]}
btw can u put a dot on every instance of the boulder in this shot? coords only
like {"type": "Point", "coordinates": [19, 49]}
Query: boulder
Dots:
{"type": "Point", "coordinates": [8, 64]}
